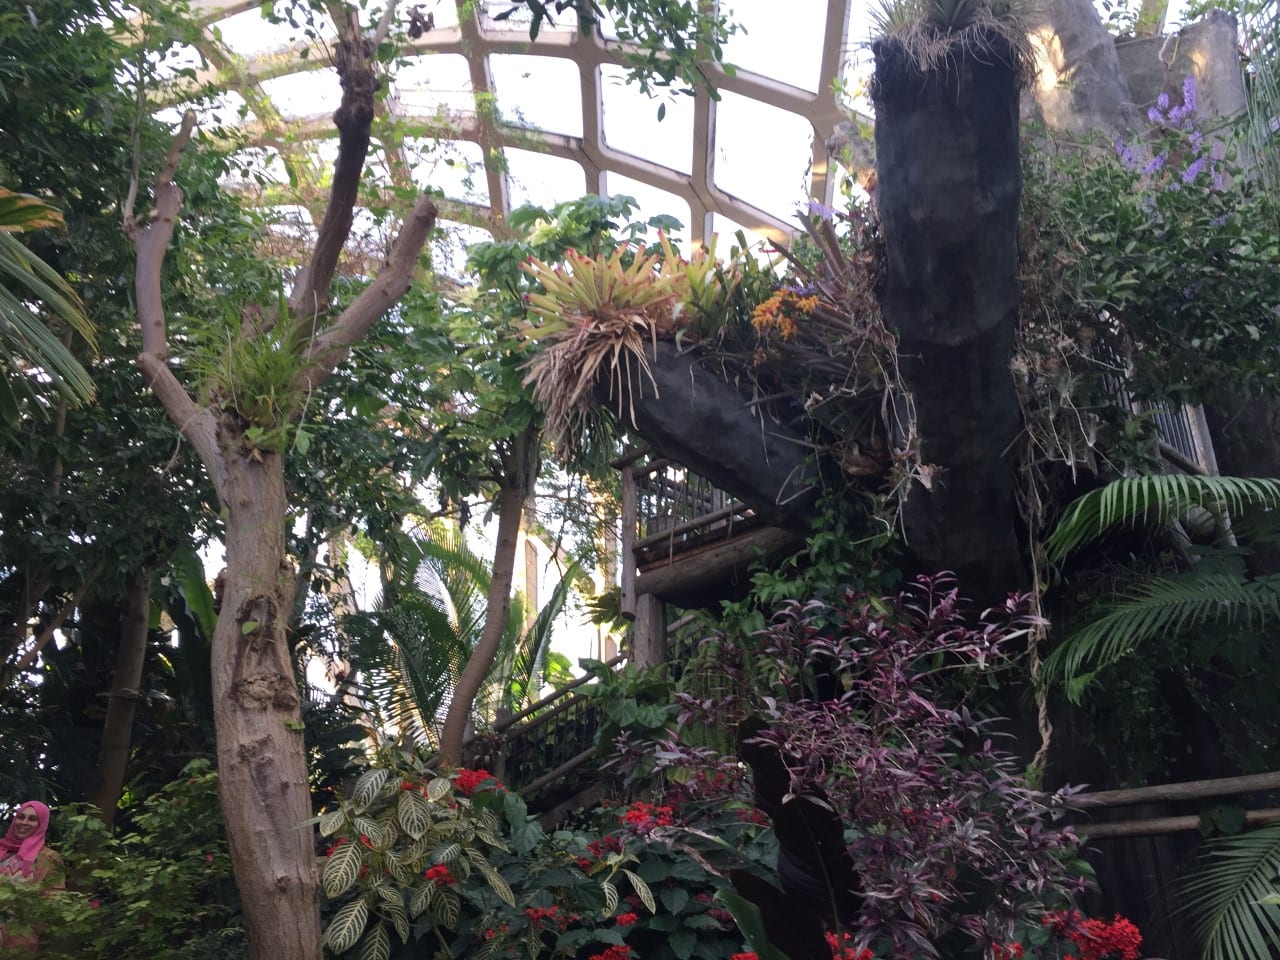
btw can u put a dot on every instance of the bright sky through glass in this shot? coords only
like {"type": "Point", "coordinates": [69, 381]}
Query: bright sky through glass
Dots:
{"type": "Point", "coordinates": [750, 158]}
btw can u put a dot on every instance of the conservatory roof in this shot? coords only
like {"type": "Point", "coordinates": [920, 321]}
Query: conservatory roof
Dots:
{"type": "Point", "coordinates": [493, 120]}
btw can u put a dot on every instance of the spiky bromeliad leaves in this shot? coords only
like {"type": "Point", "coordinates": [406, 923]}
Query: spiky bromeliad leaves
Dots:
{"type": "Point", "coordinates": [933, 32]}
{"type": "Point", "coordinates": [597, 314]}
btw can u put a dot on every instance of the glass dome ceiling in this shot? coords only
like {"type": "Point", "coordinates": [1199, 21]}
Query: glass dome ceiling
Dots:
{"type": "Point", "coordinates": [476, 110]}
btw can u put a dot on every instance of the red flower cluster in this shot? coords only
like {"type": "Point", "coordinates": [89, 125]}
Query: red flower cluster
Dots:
{"type": "Point", "coordinates": [744, 956]}
{"type": "Point", "coordinates": [754, 815]}
{"type": "Point", "coordinates": [336, 844]}
{"type": "Point", "coordinates": [469, 781]}
{"type": "Point", "coordinates": [627, 919]}
{"type": "Point", "coordinates": [1006, 951]}
{"type": "Point", "coordinates": [492, 933]}
{"type": "Point", "coordinates": [609, 844]}
{"type": "Point", "coordinates": [616, 952]}
{"type": "Point", "coordinates": [440, 875]}
{"type": "Point", "coordinates": [1117, 939]}
{"type": "Point", "coordinates": [546, 917]}
{"type": "Point", "coordinates": [643, 817]}
{"type": "Point", "coordinates": [843, 949]}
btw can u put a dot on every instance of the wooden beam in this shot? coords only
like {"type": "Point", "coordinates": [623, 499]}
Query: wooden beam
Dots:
{"type": "Point", "coordinates": [649, 632]}
{"type": "Point", "coordinates": [709, 566]}
{"type": "Point", "coordinates": [1159, 825]}
{"type": "Point", "coordinates": [629, 520]}
{"type": "Point", "coordinates": [1189, 790]}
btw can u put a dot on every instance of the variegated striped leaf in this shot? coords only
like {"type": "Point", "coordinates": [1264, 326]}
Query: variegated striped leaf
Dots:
{"type": "Point", "coordinates": [341, 870]}
{"type": "Point", "coordinates": [346, 926]}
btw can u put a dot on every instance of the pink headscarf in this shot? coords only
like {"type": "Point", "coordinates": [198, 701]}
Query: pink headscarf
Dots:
{"type": "Point", "coordinates": [26, 850]}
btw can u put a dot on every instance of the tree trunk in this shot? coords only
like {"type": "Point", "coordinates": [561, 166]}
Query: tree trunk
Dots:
{"type": "Point", "coordinates": [117, 729]}
{"type": "Point", "coordinates": [262, 769]}
{"type": "Point", "coordinates": [519, 474]}
{"type": "Point", "coordinates": [949, 188]}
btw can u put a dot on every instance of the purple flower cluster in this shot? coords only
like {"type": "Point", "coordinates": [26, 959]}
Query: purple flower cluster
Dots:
{"type": "Point", "coordinates": [1180, 121]}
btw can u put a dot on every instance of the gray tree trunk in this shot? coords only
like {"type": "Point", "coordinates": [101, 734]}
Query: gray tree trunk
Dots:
{"type": "Point", "coordinates": [262, 769]}
{"type": "Point", "coordinates": [117, 729]}
{"type": "Point", "coordinates": [948, 191]}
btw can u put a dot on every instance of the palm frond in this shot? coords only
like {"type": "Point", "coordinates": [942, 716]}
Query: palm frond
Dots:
{"type": "Point", "coordinates": [1228, 896]}
{"type": "Point", "coordinates": [1165, 605]}
{"type": "Point", "coordinates": [1133, 501]}
{"type": "Point", "coordinates": [531, 648]}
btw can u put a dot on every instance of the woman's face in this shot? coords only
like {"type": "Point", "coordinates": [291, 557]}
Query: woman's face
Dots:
{"type": "Point", "coordinates": [25, 823]}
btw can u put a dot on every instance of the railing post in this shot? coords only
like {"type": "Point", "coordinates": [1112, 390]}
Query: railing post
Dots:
{"type": "Point", "coordinates": [628, 602]}
{"type": "Point", "coordinates": [649, 632]}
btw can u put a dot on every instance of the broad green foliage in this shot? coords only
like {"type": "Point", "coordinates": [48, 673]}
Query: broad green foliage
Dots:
{"type": "Point", "coordinates": [1228, 897]}
{"type": "Point", "coordinates": [161, 891]}
{"type": "Point", "coordinates": [1217, 592]}
{"type": "Point", "coordinates": [426, 624]}
{"type": "Point", "coordinates": [1150, 500]}
{"type": "Point", "coordinates": [1152, 266]}
{"type": "Point", "coordinates": [24, 336]}
{"type": "Point", "coordinates": [455, 866]}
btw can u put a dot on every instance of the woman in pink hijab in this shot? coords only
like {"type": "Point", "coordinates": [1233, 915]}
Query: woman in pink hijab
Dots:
{"type": "Point", "coordinates": [23, 855]}
{"type": "Point", "coordinates": [24, 858]}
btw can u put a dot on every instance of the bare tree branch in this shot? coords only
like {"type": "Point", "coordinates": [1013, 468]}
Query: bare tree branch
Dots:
{"type": "Point", "coordinates": [196, 423]}
{"type": "Point", "coordinates": [329, 347]}
{"type": "Point", "coordinates": [152, 242]}
{"type": "Point", "coordinates": [353, 58]}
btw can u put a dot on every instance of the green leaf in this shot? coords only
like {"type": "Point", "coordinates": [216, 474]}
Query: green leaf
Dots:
{"type": "Point", "coordinates": [1225, 895]}
{"type": "Point", "coordinates": [682, 943]}
{"type": "Point", "coordinates": [610, 897]}
{"type": "Point", "coordinates": [393, 907]}
{"type": "Point", "coordinates": [248, 627]}
{"type": "Point", "coordinates": [751, 923]}
{"type": "Point", "coordinates": [341, 870]}
{"type": "Point", "coordinates": [368, 786]}
{"type": "Point", "coordinates": [439, 788]}
{"type": "Point", "coordinates": [332, 822]}
{"type": "Point", "coordinates": [422, 897]}
{"type": "Point", "coordinates": [645, 894]}
{"type": "Point", "coordinates": [674, 898]}
{"type": "Point", "coordinates": [346, 926]}
{"type": "Point", "coordinates": [414, 813]}
{"type": "Point", "coordinates": [377, 944]}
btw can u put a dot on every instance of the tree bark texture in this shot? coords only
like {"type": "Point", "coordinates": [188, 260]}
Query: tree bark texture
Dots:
{"type": "Point", "coordinates": [262, 768]}
{"type": "Point", "coordinates": [520, 471]}
{"type": "Point", "coordinates": [117, 729]}
{"type": "Point", "coordinates": [949, 188]}
{"type": "Point", "coordinates": [690, 414]}
{"type": "Point", "coordinates": [1079, 86]}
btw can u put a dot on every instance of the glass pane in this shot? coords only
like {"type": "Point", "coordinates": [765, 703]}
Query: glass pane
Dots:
{"type": "Point", "coordinates": [541, 179]}
{"type": "Point", "coordinates": [763, 155]}
{"type": "Point", "coordinates": [631, 122]}
{"type": "Point", "coordinates": [454, 166]}
{"type": "Point", "coordinates": [434, 82]}
{"type": "Point", "coordinates": [781, 42]}
{"type": "Point", "coordinates": [540, 92]}
{"type": "Point", "coordinates": [308, 94]}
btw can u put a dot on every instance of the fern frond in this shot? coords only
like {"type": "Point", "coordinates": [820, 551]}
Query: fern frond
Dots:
{"type": "Point", "coordinates": [1161, 606]}
{"type": "Point", "coordinates": [1132, 501]}
{"type": "Point", "coordinates": [1228, 896]}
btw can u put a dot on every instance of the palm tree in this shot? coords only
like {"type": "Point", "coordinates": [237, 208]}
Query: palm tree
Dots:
{"type": "Point", "coordinates": [25, 338]}
{"type": "Point", "coordinates": [1217, 591]}
{"type": "Point", "coordinates": [414, 645]}
{"type": "Point", "coordinates": [1230, 897]}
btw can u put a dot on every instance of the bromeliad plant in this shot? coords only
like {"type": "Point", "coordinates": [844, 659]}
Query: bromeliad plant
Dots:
{"type": "Point", "coordinates": [598, 314]}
